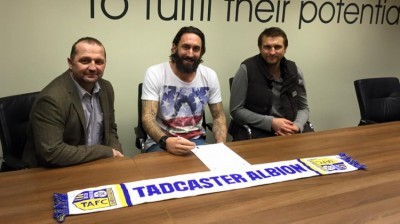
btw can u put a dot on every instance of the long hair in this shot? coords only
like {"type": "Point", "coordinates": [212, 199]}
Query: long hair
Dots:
{"type": "Point", "coordinates": [190, 29]}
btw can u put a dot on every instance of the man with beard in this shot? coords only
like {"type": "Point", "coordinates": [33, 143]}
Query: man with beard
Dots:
{"type": "Point", "coordinates": [175, 94]}
{"type": "Point", "coordinates": [268, 92]}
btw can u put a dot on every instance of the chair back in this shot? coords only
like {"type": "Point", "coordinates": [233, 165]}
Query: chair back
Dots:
{"type": "Point", "coordinates": [14, 120]}
{"type": "Point", "coordinates": [141, 134]}
{"type": "Point", "coordinates": [230, 83]}
{"type": "Point", "coordinates": [378, 99]}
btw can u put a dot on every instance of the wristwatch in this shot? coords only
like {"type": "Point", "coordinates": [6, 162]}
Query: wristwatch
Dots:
{"type": "Point", "coordinates": [163, 142]}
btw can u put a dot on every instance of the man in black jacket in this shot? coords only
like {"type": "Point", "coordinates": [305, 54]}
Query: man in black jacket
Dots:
{"type": "Point", "coordinates": [268, 92]}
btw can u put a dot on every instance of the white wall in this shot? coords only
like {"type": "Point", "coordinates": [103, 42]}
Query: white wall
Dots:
{"type": "Point", "coordinates": [36, 37]}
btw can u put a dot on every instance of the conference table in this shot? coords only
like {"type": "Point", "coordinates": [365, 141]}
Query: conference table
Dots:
{"type": "Point", "coordinates": [363, 196]}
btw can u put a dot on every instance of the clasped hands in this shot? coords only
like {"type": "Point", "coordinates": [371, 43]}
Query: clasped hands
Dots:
{"type": "Point", "coordinates": [283, 126]}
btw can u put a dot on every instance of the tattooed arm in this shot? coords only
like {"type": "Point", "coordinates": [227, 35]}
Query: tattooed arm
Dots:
{"type": "Point", "coordinates": [149, 113]}
{"type": "Point", "coordinates": [219, 122]}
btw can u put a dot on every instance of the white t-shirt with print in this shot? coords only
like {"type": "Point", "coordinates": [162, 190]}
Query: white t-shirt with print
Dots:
{"type": "Point", "coordinates": [181, 104]}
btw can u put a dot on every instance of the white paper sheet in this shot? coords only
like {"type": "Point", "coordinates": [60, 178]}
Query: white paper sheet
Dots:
{"type": "Point", "coordinates": [219, 157]}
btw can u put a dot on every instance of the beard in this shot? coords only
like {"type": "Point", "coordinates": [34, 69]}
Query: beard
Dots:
{"type": "Point", "coordinates": [185, 67]}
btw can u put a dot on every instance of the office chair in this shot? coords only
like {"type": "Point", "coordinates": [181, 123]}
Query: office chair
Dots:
{"type": "Point", "coordinates": [378, 99]}
{"type": "Point", "coordinates": [14, 119]}
{"type": "Point", "coordinates": [141, 135]}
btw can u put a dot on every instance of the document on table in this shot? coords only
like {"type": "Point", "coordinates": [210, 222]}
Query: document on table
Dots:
{"type": "Point", "coordinates": [219, 157]}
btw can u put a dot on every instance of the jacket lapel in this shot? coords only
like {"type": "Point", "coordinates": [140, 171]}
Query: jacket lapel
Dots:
{"type": "Point", "coordinates": [76, 101]}
{"type": "Point", "coordinates": [104, 107]}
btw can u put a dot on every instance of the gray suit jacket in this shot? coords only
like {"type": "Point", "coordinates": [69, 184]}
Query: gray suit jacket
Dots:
{"type": "Point", "coordinates": [57, 134]}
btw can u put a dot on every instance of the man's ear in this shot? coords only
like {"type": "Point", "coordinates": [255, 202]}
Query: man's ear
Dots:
{"type": "Point", "coordinates": [173, 49]}
{"type": "Point", "coordinates": [69, 63]}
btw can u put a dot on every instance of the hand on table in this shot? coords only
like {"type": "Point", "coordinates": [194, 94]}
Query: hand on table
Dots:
{"type": "Point", "coordinates": [179, 146]}
{"type": "Point", "coordinates": [117, 153]}
{"type": "Point", "coordinates": [283, 126]}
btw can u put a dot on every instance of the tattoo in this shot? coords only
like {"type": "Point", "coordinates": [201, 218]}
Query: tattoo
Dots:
{"type": "Point", "coordinates": [219, 122]}
{"type": "Point", "coordinates": [149, 114]}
